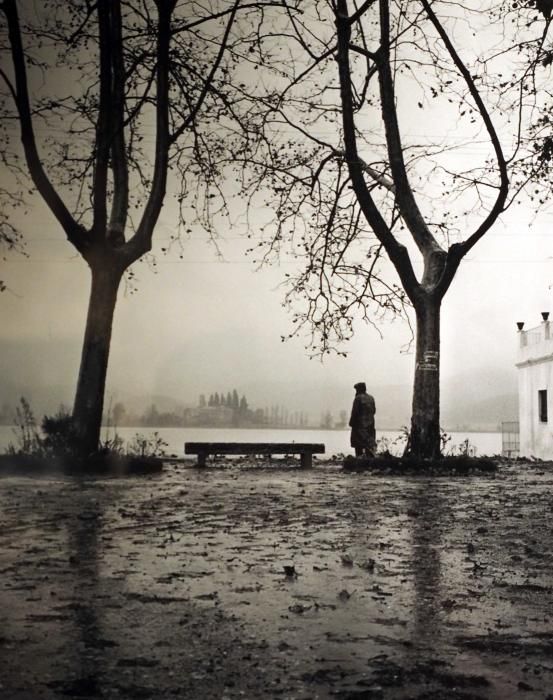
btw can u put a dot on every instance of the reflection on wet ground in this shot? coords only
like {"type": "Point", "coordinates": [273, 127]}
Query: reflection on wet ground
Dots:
{"type": "Point", "coordinates": [274, 582]}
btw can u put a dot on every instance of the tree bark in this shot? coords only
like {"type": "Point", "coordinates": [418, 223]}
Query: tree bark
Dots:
{"type": "Point", "coordinates": [424, 438]}
{"type": "Point", "coordinates": [89, 396]}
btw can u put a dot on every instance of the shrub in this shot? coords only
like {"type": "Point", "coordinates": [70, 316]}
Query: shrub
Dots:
{"type": "Point", "coordinates": [25, 430]}
{"type": "Point", "coordinates": [147, 446]}
{"type": "Point", "coordinates": [461, 464]}
{"type": "Point", "coordinates": [60, 435]}
{"type": "Point", "coordinates": [58, 448]}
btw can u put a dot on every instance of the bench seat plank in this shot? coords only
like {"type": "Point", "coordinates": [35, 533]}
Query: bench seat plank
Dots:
{"type": "Point", "coordinates": [237, 448]}
{"type": "Point", "coordinates": [203, 449]}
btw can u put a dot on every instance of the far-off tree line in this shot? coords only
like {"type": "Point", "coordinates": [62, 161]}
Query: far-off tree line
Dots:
{"type": "Point", "coordinates": [218, 410]}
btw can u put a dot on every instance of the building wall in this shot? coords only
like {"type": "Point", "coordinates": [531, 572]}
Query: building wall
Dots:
{"type": "Point", "coordinates": [535, 365]}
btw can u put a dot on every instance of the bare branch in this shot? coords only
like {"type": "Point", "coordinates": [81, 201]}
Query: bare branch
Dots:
{"type": "Point", "coordinates": [104, 122]}
{"type": "Point", "coordinates": [73, 231]}
{"type": "Point", "coordinates": [398, 254]}
{"type": "Point", "coordinates": [404, 194]}
{"type": "Point", "coordinates": [209, 79]}
{"type": "Point", "coordinates": [141, 242]}
{"type": "Point", "coordinates": [501, 198]}
{"type": "Point", "coordinates": [120, 201]}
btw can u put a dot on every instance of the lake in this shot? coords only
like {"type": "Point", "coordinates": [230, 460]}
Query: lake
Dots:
{"type": "Point", "coordinates": [335, 441]}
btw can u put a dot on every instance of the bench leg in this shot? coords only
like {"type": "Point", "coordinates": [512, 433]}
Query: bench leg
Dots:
{"type": "Point", "coordinates": [306, 460]}
{"type": "Point", "coordinates": [201, 458]}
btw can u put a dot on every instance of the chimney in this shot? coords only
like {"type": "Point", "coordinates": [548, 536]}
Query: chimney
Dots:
{"type": "Point", "coordinates": [523, 336]}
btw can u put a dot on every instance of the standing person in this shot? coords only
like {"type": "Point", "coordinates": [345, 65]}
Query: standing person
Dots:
{"type": "Point", "coordinates": [363, 434]}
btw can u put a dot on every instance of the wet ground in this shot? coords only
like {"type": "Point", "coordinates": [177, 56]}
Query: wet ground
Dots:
{"type": "Point", "coordinates": [240, 582]}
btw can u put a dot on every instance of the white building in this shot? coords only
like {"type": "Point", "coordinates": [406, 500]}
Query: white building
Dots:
{"type": "Point", "coordinates": [535, 390]}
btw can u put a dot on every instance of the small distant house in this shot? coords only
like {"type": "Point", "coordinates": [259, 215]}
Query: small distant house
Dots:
{"type": "Point", "coordinates": [219, 416]}
{"type": "Point", "coordinates": [535, 389]}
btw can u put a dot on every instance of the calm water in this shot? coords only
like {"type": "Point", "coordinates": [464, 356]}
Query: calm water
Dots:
{"type": "Point", "coordinates": [335, 441]}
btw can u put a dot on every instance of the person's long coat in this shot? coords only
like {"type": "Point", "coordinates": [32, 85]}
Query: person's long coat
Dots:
{"type": "Point", "coordinates": [363, 433]}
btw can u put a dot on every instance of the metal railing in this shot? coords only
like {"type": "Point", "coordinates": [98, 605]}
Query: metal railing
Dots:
{"type": "Point", "coordinates": [510, 439]}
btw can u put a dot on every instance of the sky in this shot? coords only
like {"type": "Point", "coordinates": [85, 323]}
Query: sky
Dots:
{"type": "Point", "coordinates": [202, 324]}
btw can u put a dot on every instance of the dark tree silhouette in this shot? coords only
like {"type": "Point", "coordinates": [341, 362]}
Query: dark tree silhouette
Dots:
{"type": "Point", "coordinates": [369, 123]}
{"type": "Point", "coordinates": [545, 7]}
{"type": "Point", "coordinates": [115, 102]}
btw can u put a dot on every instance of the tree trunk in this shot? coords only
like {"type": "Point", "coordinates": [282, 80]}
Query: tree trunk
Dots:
{"type": "Point", "coordinates": [89, 397]}
{"type": "Point", "coordinates": [424, 438]}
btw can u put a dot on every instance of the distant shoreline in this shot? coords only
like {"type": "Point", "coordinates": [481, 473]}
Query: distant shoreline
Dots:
{"type": "Point", "coordinates": [386, 428]}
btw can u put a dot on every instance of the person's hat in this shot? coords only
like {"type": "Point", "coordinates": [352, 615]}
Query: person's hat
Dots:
{"type": "Point", "coordinates": [360, 386]}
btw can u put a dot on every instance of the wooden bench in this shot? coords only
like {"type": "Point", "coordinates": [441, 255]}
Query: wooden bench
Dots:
{"type": "Point", "coordinates": [204, 449]}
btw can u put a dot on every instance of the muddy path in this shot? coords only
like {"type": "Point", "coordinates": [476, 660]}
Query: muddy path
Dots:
{"type": "Point", "coordinates": [271, 582]}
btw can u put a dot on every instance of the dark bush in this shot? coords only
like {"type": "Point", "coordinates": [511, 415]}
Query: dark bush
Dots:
{"type": "Point", "coordinates": [462, 464]}
{"type": "Point", "coordinates": [60, 437]}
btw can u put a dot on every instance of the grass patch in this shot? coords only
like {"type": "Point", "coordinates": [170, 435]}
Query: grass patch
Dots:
{"type": "Point", "coordinates": [456, 465]}
{"type": "Point", "coordinates": [54, 449]}
{"type": "Point", "coordinates": [97, 464]}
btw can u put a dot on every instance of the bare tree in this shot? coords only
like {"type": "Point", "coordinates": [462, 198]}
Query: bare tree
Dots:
{"type": "Point", "coordinates": [114, 102]}
{"type": "Point", "coordinates": [383, 156]}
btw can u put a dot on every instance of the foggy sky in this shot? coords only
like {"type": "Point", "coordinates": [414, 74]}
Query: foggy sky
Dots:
{"type": "Point", "coordinates": [200, 325]}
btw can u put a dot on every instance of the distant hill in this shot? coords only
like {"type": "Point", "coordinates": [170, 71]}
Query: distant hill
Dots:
{"type": "Point", "coordinates": [487, 414]}
{"type": "Point", "coordinates": [479, 400]}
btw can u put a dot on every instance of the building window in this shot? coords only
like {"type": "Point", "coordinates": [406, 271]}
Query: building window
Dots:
{"type": "Point", "coordinates": [542, 403]}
